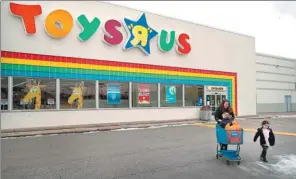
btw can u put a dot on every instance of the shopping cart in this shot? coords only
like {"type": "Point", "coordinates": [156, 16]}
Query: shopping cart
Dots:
{"type": "Point", "coordinates": [229, 137]}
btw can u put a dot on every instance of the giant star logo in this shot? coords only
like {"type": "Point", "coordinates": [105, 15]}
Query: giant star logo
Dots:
{"type": "Point", "coordinates": [140, 34]}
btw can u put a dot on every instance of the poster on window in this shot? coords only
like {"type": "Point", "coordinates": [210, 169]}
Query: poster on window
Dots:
{"type": "Point", "coordinates": [170, 94]}
{"type": "Point", "coordinates": [143, 94]}
{"type": "Point", "coordinates": [50, 101]}
{"type": "Point", "coordinates": [113, 94]}
{"type": "Point", "coordinates": [199, 101]}
{"type": "Point", "coordinates": [22, 102]}
{"type": "Point", "coordinates": [4, 102]}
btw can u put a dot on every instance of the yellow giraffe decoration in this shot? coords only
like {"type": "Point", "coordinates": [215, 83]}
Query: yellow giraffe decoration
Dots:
{"type": "Point", "coordinates": [77, 93]}
{"type": "Point", "coordinates": [34, 92]}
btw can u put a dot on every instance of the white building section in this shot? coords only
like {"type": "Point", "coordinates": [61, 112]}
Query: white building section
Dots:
{"type": "Point", "coordinates": [275, 83]}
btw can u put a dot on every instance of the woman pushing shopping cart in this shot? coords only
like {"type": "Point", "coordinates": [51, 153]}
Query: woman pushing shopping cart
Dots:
{"type": "Point", "coordinates": [228, 133]}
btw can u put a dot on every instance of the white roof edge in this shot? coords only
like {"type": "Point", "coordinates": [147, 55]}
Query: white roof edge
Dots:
{"type": "Point", "coordinates": [274, 56]}
{"type": "Point", "coordinates": [174, 18]}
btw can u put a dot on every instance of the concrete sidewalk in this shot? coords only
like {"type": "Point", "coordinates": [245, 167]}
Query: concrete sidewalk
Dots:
{"type": "Point", "coordinates": [115, 126]}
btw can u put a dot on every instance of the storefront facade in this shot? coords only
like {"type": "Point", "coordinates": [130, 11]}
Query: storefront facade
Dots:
{"type": "Point", "coordinates": [78, 63]}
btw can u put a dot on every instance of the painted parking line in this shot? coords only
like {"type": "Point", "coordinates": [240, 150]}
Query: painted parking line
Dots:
{"type": "Point", "coordinates": [246, 129]}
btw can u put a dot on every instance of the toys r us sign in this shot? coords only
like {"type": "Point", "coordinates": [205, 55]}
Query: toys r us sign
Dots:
{"type": "Point", "coordinates": [59, 23]}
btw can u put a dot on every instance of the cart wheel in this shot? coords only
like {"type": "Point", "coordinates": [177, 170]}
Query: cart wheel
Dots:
{"type": "Point", "coordinates": [238, 162]}
{"type": "Point", "coordinates": [217, 156]}
{"type": "Point", "coordinates": [228, 163]}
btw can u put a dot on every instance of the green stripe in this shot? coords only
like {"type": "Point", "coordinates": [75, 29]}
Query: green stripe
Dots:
{"type": "Point", "coordinates": [30, 68]}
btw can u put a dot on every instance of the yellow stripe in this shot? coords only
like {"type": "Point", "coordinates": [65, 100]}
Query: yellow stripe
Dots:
{"type": "Point", "coordinates": [246, 129]}
{"type": "Point", "coordinates": [204, 125]}
{"type": "Point", "coordinates": [108, 68]}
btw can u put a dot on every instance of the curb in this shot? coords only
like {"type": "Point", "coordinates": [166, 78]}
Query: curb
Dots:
{"type": "Point", "coordinates": [95, 129]}
{"type": "Point", "coordinates": [93, 125]}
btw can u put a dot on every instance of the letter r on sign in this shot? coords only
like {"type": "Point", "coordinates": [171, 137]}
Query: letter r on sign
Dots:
{"type": "Point", "coordinates": [141, 35]}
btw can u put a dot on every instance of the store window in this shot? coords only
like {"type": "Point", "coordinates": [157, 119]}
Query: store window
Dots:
{"type": "Point", "coordinates": [34, 93]}
{"type": "Point", "coordinates": [144, 95]}
{"type": "Point", "coordinates": [76, 94]}
{"type": "Point", "coordinates": [4, 93]}
{"type": "Point", "coordinates": [194, 95]}
{"type": "Point", "coordinates": [113, 95]}
{"type": "Point", "coordinates": [170, 95]}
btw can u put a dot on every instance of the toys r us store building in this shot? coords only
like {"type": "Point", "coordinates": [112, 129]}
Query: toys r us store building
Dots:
{"type": "Point", "coordinates": [72, 63]}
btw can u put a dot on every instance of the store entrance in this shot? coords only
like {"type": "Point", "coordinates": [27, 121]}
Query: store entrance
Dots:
{"type": "Point", "coordinates": [214, 100]}
{"type": "Point", "coordinates": [214, 95]}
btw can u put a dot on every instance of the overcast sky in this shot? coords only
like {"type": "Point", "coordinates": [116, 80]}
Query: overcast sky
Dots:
{"type": "Point", "coordinates": [273, 24]}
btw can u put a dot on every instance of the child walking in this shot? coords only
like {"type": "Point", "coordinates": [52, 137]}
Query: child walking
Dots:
{"type": "Point", "coordinates": [266, 138]}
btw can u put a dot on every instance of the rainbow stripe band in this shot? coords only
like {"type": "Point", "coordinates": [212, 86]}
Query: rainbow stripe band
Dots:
{"type": "Point", "coordinates": [45, 66]}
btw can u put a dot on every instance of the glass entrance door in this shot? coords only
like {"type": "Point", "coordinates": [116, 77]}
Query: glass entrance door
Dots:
{"type": "Point", "coordinates": [214, 101]}
{"type": "Point", "coordinates": [219, 99]}
{"type": "Point", "coordinates": [223, 97]}
{"type": "Point", "coordinates": [288, 103]}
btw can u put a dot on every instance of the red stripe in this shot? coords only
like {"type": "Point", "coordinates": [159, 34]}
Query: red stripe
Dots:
{"type": "Point", "coordinates": [107, 63]}
{"type": "Point", "coordinates": [235, 89]}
